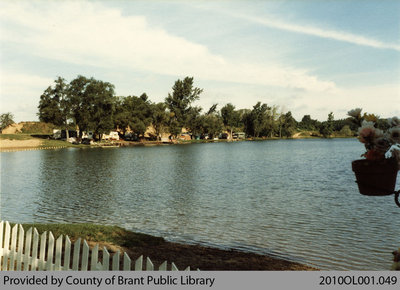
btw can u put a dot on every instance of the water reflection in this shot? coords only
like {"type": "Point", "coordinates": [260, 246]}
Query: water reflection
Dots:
{"type": "Point", "coordinates": [76, 185]}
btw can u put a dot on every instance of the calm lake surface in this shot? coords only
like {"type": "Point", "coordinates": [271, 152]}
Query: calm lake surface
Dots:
{"type": "Point", "coordinates": [292, 198]}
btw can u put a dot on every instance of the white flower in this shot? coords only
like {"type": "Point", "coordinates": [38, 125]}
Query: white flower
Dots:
{"type": "Point", "coordinates": [394, 152]}
{"type": "Point", "coordinates": [355, 113]}
{"type": "Point", "coordinates": [394, 134]}
{"type": "Point", "coordinates": [367, 124]}
{"type": "Point", "coordinates": [393, 122]}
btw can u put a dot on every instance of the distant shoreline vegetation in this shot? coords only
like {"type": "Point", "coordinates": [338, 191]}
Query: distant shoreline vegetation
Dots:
{"type": "Point", "coordinates": [91, 105]}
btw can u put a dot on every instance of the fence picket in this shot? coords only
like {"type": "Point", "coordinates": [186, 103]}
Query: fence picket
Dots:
{"type": "Point", "coordinates": [14, 233]}
{"type": "Point", "coordinates": [21, 235]}
{"type": "Point", "coordinates": [27, 251]}
{"type": "Point", "coordinates": [42, 253]}
{"type": "Point", "coordinates": [75, 258]}
{"type": "Point", "coordinates": [163, 266]}
{"type": "Point", "coordinates": [1, 240]}
{"type": "Point", "coordinates": [6, 246]}
{"type": "Point", "coordinates": [95, 258]}
{"type": "Point", "coordinates": [34, 261]}
{"type": "Point", "coordinates": [85, 256]}
{"type": "Point", "coordinates": [115, 261]}
{"type": "Point", "coordinates": [139, 264]}
{"type": "Point", "coordinates": [149, 265]}
{"type": "Point", "coordinates": [106, 260]}
{"type": "Point", "coordinates": [31, 251]}
{"type": "Point", "coordinates": [50, 252]}
{"type": "Point", "coordinates": [57, 263]}
{"type": "Point", "coordinates": [67, 253]}
{"type": "Point", "coordinates": [173, 267]}
{"type": "Point", "coordinates": [127, 262]}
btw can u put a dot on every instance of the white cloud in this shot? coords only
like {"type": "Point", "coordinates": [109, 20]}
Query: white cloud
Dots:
{"type": "Point", "coordinates": [20, 85]}
{"type": "Point", "coordinates": [92, 35]}
{"type": "Point", "coordinates": [16, 91]}
{"type": "Point", "coordinates": [382, 100]}
{"type": "Point", "coordinates": [87, 33]}
{"type": "Point", "coordinates": [319, 32]}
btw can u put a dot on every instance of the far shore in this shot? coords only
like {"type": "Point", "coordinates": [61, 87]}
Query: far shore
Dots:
{"type": "Point", "coordinates": [22, 142]}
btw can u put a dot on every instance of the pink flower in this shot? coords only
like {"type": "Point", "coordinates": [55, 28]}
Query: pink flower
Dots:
{"type": "Point", "coordinates": [368, 133]}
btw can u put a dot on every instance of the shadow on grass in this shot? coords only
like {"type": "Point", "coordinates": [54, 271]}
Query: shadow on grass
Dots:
{"type": "Point", "coordinates": [41, 136]}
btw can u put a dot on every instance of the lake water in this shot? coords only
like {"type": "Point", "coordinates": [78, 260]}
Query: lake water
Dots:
{"type": "Point", "coordinates": [292, 198]}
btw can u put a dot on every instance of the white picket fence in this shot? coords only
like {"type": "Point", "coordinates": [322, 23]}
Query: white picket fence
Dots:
{"type": "Point", "coordinates": [31, 252]}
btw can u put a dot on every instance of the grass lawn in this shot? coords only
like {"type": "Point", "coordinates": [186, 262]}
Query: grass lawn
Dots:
{"type": "Point", "coordinates": [58, 143]}
{"type": "Point", "coordinates": [16, 136]}
{"type": "Point", "coordinates": [97, 233]}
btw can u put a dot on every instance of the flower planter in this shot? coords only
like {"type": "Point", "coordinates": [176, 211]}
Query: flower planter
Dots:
{"type": "Point", "coordinates": [376, 177]}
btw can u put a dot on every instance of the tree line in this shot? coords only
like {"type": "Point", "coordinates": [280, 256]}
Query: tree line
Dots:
{"type": "Point", "coordinates": [92, 105]}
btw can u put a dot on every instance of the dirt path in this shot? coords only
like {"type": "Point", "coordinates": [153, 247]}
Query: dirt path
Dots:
{"type": "Point", "coordinates": [6, 144]}
{"type": "Point", "coordinates": [296, 135]}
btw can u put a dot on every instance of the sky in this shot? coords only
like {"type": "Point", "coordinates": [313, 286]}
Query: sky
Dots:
{"type": "Point", "coordinates": [308, 57]}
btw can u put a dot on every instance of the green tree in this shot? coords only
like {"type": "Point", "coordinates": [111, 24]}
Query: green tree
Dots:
{"type": "Point", "coordinates": [102, 107]}
{"type": "Point", "coordinates": [337, 125]}
{"type": "Point", "coordinates": [256, 120]}
{"type": "Point", "coordinates": [6, 119]}
{"type": "Point", "coordinates": [247, 121]}
{"type": "Point", "coordinates": [141, 114]}
{"type": "Point", "coordinates": [54, 106]}
{"type": "Point", "coordinates": [230, 118]}
{"type": "Point", "coordinates": [80, 102]}
{"type": "Point", "coordinates": [211, 122]}
{"type": "Point", "coordinates": [289, 125]}
{"type": "Point", "coordinates": [195, 121]}
{"type": "Point", "coordinates": [326, 128]}
{"type": "Point", "coordinates": [124, 108]}
{"type": "Point", "coordinates": [309, 124]}
{"type": "Point", "coordinates": [121, 114]}
{"type": "Point", "coordinates": [160, 118]}
{"type": "Point", "coordinates": [92, 104]}
{"type": "Point", "coordinates": [179, 103]}
{"type": "Point", "coordinates": [346, 131]}
{"type": "Point", "coordinates": [272, 125]}
{"type": "Point", "coordinates": [259, 118]}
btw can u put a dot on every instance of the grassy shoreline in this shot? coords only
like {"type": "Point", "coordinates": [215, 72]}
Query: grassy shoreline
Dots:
{"type": "Point", "coordinates": [115, 238]}
{"type": "Point", "coordinates": [19, 142]}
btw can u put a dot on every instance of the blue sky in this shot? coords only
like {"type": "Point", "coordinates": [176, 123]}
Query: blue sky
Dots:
{"type": "Point", "coordinates": [309, 57]}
